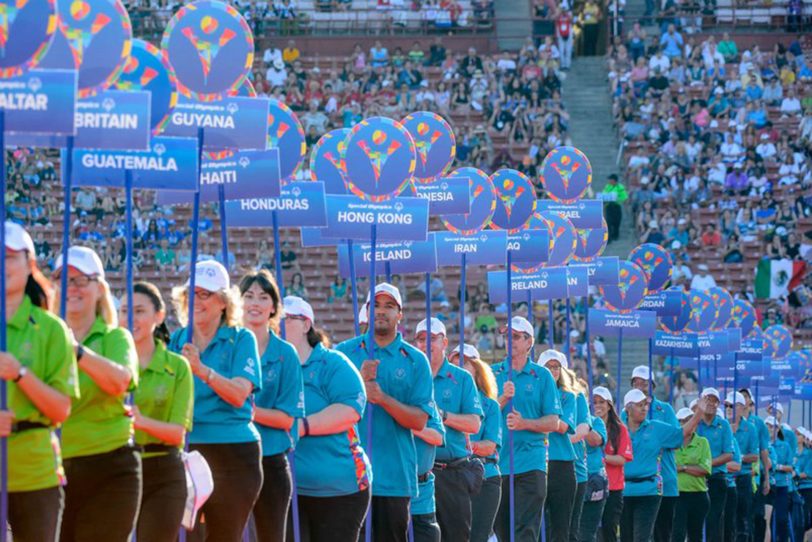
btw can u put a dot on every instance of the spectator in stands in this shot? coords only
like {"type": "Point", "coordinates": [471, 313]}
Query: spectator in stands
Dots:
{"type": "Point", "coordinates": [338, 290]}
{"type": "Point", "coordinates": [702, 280]}
{"type": "Point", "coordinates": [470, 64]}
{"type": "Point", "coordinates": [565, 36]}
{"type": "Point", "coordinates": [653, 234]}
{"type": "Point", "coordinates": [728, 49]}
{"type": "Point", "coordinates": [378, 55]}
{"type": "Point", "coordinates": [165, 257]}
{"type": "Point", "coordinates": [711, 237]}
{"type": "Point", "coordinates": [732, 253]}
{"type": "Point", "coordinates": [296, 287]}
{"type": "Point", "coordinates": [671, 42]}
{"type": "Point", "coordinates": [289, 259]}
{"type": "Point", "coordinates": [681, 272]}
{"type": "Point", "coordinates": [614, 195]}
{"type": "Point", "coordinates": [590, 18]}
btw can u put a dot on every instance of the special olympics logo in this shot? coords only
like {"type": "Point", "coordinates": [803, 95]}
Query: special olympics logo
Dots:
{"type": "Point", "coordinates": [34, 84]}
{"type": "Point", "coordinates": [108, 104]}
{"type": "Point", "coordinates": [244, 162]}
{"type": "Point", "coordinates": [296, 191]}
{"type": "Point", "coordinates": [398, 206]}
{"type": "Point", "coordinates": [159, 149]}
{"type": "Point", "coordinates": [232, 108]}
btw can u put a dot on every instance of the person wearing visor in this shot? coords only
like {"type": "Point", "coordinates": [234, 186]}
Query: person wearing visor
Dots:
{"type": "Point", "coordinates": [746, 436]}
{"type": "Point", "coordinates": [102, 461]}
{"type": "Point", "coordinates": [617, 452]}
{"type": "Point", "coordinates": [276, 406]}
{"type": "Point", "coordinates": [693, 467]}
{"type": "Point", "coordinates": [777, 410]}
{"type": "Point", "coordinates": [457, 401]}
{"type": "Point", "coordinates": [333, 474]}
{"type": "Point", "coordinates": [662, 411]}
{"type": "Point", "coordinates": [717, 430]}
{"type": "Point", "coordinates": [40, 371]}
{"type": "Point", "coordinates": [398, 383]}
{"type": "Point", "coordinates": [561, 484]}
{"type": "Point", "coordinates": [781, 473]}
{"type": "Point", "coordinates": [531, 408]}
{"type": "Point", "coordinates": [225, 362]}
{"type": "Point", "coordinates": [644, 484]}
{"type": "Point", "coordinates": [162, 414]}
{"type": "Point", "coordinates": [486, 444]}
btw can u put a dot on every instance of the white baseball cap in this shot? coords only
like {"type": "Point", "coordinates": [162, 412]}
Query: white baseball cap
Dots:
{"type": "Point", "coordinates": [296, 306]}
{"type": "Point", "coordinates": [552, 354]}
{"type": "Point", "coordinates": [522, 325]}
{"type": "Point", "coordinates": [711, 392]}
{"type": "Point", "coordinates": [83, 259]}
{"type": "Point", "coordinates": [437, 327]}
{"type": "Point", "coordinates": [779, 407]}
{"type": "Point", "coordinates": [468, 351]}
{"type": "Point", "coordinates": [363, 315]}
{"type": "Point", "coordinates": [770, 420]}
{"type": "Point", "coordinates": [738, 397]}
{"type": "Point", "coordinates": [633, 396]}
{"type": "Point", "coordinates": [391, 291]}
{"type": "Point", "coordinates": [603, 392]}
{"type": "Point", "coordinates": [641, 371]}
{"type": "Point", "coordinates": [18, 239]}
{"type": "Point", "coordinates": [693, 403]}
{"type": "Point", "coordinates": [210, 275]}
{"type": "Point", "coordinates": [684, 413]}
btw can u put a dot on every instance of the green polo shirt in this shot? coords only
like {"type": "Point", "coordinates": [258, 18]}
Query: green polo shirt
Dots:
{"type": "Point", "coordinates": [99, 422]}
{"type": "Point", "coordinates": [41, 342]}
{"type": "Point", "coordinates": [696, 453]}
{"type": "Point", "coordinates": [164, 393]}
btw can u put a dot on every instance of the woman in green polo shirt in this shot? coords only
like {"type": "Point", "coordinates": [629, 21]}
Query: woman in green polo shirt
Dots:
{"type": "Point", "coordinates": [40, 370]}
{"type": "Point", "coordinates": [102, 464]}
{"type": "Point", "coordinates": [162, 415]}
{"type": "Point", "coordinates": [693, 466]}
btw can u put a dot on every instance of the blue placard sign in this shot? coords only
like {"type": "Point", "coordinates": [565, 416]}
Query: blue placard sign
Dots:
{"type": "Point", "coordinates": [299, 204]}
{"type": "Point", "coordinates": [40, 101]}
{"type": "Point", "coordinates": [446, 196]}
{"type": "Point", "coordinates": [749, 367]}
{"type": "Point", "coordinates": [397, 219]}
{"type": "Point", "coordinates": [231, 123]}
{"type": "Point", "coordinates": [546, 283]}
{"type": "Point", "coordinates": [603, 270]}
{"type": "Point", "coordinates": [402, 257]}
{"type": "Point", "coordinates": [488, 247]}
{"type": "Point", "coordinates": [635, 324]}
{"type": "Point", "coordinates": [665, 303]}
{"type": "Point", "coordinates": [672, 344]}
{"type": "Point", "coordinates": [169, 164]}
{"type": "Point", "coordinates": [752, 348]}
{"type": "Point", "coordinates": [713, 342]}
{"type": "Point", "coordinates": [529, 246]}
{"type": "Point", "coordinates": [586, 213]}
{"type": "Point", "coordinates": [312, 237]}
{"type": "Point", "coordinates": [577, 281]}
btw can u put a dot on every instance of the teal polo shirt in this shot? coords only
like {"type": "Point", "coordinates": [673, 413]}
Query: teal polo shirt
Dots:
{"type": "Point", "coordinates": [426, 453]}
{"type": "Point", "coordinates": [455, 392]}
{"type": "Point", "coordinates": [790, 438]}
{"type": "Point", "coordinates": [405, 375]}
{"type": "Point", "coordinates": [231, 353]}
{"type": "Point", "coordinates": [663, 412]}
{"type": "Point", "coordinates": [594, 454]}
{"type": "Point", "coordinates": [762, 432]}
{"type": "Point", "coordinates": [581, 416]}
{"type": "Point", "coordinates": [720, 438]}
{"type": "Point", "coordinates": [747, 439]}
{"type": "Point", "coordinates": [737, 457]}
{"type": "Point", "coordinates": [643, 476]}
{"type": "Point", "coordinates": [282, 390]}
{"type": "Point", "coordinates": [780, 454]}
{"type": "Point", "coordinates": [803, 465]}
{"type": "Point", "coordinates": [491, 429]}
{"type": "Point", "coordinates": [536, 397]}
{"type": "Point", "coordinates": [559, 447]}
{"type": "Point", "coordinates": [332, 465]}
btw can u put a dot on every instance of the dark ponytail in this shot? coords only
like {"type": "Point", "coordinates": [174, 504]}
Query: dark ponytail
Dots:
{"type": "Point", "coordinates": [316, 337]}
{"type": "Point", "coordinates": [39, 289]}
{"type": "Point", "coordinates": [148, 289]}
{"type": "Point", "coordinates": [613, 427]}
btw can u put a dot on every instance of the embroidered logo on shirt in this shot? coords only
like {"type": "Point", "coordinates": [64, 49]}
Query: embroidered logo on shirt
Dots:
{"type": "Point", "coordinates": [400, 373]}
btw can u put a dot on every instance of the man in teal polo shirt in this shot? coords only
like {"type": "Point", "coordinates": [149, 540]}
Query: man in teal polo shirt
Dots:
{"type": "Point", "coordinates": [757, 523]}
{"type": "Point", "coordinates": [716, 429]}
{"type": "Point", "coordinates": [746, 436]}
{"type": "Point", "coordinates": [424, 507]}
{"type": "Point", "coordinates": [399, 389]}
{"type": "Point", "coordinates": [531, 408]}
{"type": "Point", "coordinates": [457, 400]}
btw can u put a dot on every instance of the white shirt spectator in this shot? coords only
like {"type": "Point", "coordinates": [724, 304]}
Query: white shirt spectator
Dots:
{"type": "Point", "coordinates": [703, 281]}
{"type": "Point", "coordinates": [659, 61]}
{"type": "Point", "coordinates": [638, 161]}
{"type": "Point", "coordinates": [550, 49]}
{"type": "Point", "coordinates": [765, 149]}
{"type": "Point", "coordinates": [681, 271]}
{"type": "Point", "coordinates": [717, 173]}
{"type": "Point", "coordinates": [270, 55]}
{"type": "Point", "coordinates": [277, 74]}
{"type": "Point", "coordinates": [790, 105]}
{"type": "Point", "coordinates": [424, 94]}
{"type": "Point", "coordinates": [506, 64]}
{"type": "Point", "coordinates": [731, 151]}
{"type": "Point", "coordinates": [710, 55]}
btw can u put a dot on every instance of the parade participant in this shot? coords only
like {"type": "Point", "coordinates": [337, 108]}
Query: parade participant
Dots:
{"type": "Point", "coordinates": [457, 400]}
{"type": "Point", "coordinates": [777, 411]}
{"type": "Point", "coordinates": [583, 430]}
{"type": "Point", "coordinates": [561, 455]}
{"type": "Point", "coordinates": [162, 415]}
{"type": "Point", "coordinates": [423, 507]}
{"type": "Point", "coordinates": [734, 467]}
{"type": "Point", "coordinates": [757, 525]}
{"type": "Point", "coordinates": [617, 452]}
{"type": "Point", "coordinates": [40, 370]}
{"type": "Point", "coordinates": [804, 469]}
{"type": "Point", "coordinates": [224, 359]}
{"type": "Point", "coordinates": [486, 444]}
{"type": "Point", "coordinates": [650, 438]}
{"type": "Point", "coordinates": [597, 486]}
{"type": "Point", "coordinates": [693, 466]}
{"type": "Point", "coordinates": [398, 382]}
{"type": "Point", "coordinates": [535, 411]}
{"type": "Point", "coordinates": [781, 473]}
{"type": "Point", "coordinates": [716, 429]}
{"type": "Point", "coordinates": [746, 436]}
{"type": "Point", "coordinates": [333, 474]}
{"type": "Point", "coordinates": [101, 459]}
{"type": "Point", "coordinates": [280, 401]}
{"type": "Point", "coordinates": [662, 411]}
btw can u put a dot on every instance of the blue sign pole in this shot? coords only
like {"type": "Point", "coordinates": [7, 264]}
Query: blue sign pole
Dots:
{"type": "Point", "coordinates": [650, 383]}
{"type": "Point", "coordinates": [221, 197]}
{"type": "Point", "coordinates": [67, 188]}
{"type": "Point", "coordinates": [463, 296]}
{"type": "Point", "coordinates": [567, 336]}
{"type": "Point", "coordinates": [551, 318]}
{"type": "Point", "coordinates": [128, 210]}
{"type": "Point", "coordinates": [673, 380]}
{"type": "Point", "coordinates": [353, 289]}
{"type": "Point", "coordinates": [532, 319]}
{"type": "Point", "coordinates": [511, 479]}
{"type": "Point", "coordinates": [619, 360]}
{"type": "Point", "coordinates": [590, 377]}
{"type": "Point", "coordinates": [388, 272]}
{"type": "Point", "coordinates": [373, 239]}
{"type": "Point", "coordinates": [3, 385]}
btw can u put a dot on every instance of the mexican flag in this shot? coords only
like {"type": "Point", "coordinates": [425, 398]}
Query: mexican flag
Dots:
{"type": "Point", "coordinates": [776, 278]}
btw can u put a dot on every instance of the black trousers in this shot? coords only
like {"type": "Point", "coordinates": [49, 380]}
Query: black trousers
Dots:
{"type": "Point", "coordinates": [577, 509]}
{"type": "Point", "coordinates": [102, 496]}
{"type": "Point", "coordinates": [530, 492]}
{"type": "Point", "coordinates": [324, 519]}
{"type": "Point", "coordinates": [425, 528]}
{"type": "Point", "coordinates": [744, 505]}
{"type": "Point", "coordinates": [561, 488]}
{"type": "Point", "coordinates": [759, 528]}
{"type": "Point", "coordinates": [36, 516]}
{"type": "Point", "coordinates": [614, 214]}
{"type": "Point", "coordinates": [164, 498]}
{"type": "Point", "coordinates": [453, 504]}
{"type": "Point", "coordinates": [689, 519]}
{"type": "Point", "coordinates": [780, 520]}
{"type": "Point", "coordinates": [390, 519]}
{"type": "Point", "coordinates": [664, 525]}
{"type": "Point", "coordinates": [237, 473]}
{"type": "Point", "coordinates": [612, 513]}
{"type": "Point", "coordinates": [807, 495]}
{"type": "Point", "coordinates": [273, 503]}
{"type": "Point", "coordinates": [483, 509]}
{"type": "Point", "coordinates": [715, 522]}
{"type": "Point", "coordinates": [730, 514]}
{"type": "Point", "coordinates": [590, 520]}
{"type": "Point", "coordinates": [637, 520]}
